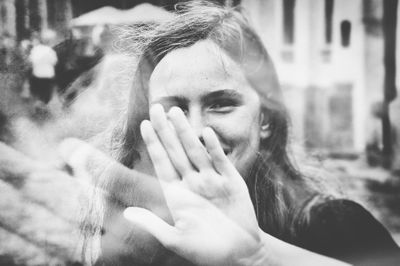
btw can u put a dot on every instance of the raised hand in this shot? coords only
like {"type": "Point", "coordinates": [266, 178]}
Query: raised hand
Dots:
{"type": "Point", "coordinates": [214, 219]}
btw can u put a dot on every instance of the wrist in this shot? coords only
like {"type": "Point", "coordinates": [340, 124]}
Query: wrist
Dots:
{"type": "Point", "coordinates": [273, 251]}
{"type": "Point", "coordinates": [261, 255]}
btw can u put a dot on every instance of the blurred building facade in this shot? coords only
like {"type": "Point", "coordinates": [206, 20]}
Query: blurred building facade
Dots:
{"type": "Point", "coordinates": [21, 18]}
{"type": "Point", "coordinates": [329, 57]}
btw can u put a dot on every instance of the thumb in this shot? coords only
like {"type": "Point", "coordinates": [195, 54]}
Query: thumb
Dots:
{"type": "Point", "coordinates": [146, 219]}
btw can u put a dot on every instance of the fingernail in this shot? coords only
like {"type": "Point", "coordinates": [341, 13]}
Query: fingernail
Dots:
{"type": "Point", "coordinates": [128, 213]}
{"type": "Point", "coordinates": [157, 108]}
{"type": "Point", "coordinates": [145, 126]}
{"type": "Point", "coordinates": [175, 111]}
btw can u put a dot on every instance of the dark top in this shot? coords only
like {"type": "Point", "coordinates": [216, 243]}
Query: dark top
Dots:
{"type": "Point", "coordinates": [337, 228]}
{"type": "Point", "coordinates": [344, 230]}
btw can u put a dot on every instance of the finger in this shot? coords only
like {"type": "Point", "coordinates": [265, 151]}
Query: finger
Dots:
{"type": "Point", "coordinates": [119, 183]}
{"type": "Point", "coordinates": [220, 161]}
{"type": "Point", "coordinates": [159, 157]}
{"type": "Point", "coordinates": [169, 140]}
{"type": "Point", "coordinates": [146, 219]}
{"type": "Point", "coordinates": [194, 149]}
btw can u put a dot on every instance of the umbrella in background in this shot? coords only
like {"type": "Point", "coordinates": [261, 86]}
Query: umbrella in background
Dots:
{"type": "Point", "coordinates": [143, 13]}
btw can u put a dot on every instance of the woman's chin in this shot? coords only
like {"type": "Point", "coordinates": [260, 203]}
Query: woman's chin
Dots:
{"type": "Point", "coordinates": [242, 163]}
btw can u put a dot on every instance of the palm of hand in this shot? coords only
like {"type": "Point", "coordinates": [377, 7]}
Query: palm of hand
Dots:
{"type": "Point", "coordinates": [201, 226]}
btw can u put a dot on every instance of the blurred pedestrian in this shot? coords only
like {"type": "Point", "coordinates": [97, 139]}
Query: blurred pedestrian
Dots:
{"type": "Point", "coordinates": [43, 60]}
{"type": "Point", "coordinates": [374, 142]}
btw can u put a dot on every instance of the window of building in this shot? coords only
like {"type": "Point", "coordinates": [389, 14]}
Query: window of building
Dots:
{"type": "Point", "coordinates": [345, 33]}
{"type": "Point", "coordinates": [328, 20]}
{"type": "Point", "coordinates": [52, 13]}
{"type": "Point", "coordinates": [288, 21]}
{"type": "Point", "coordinates": [3, 14]}
{"type": "Point", "coordinates": [22, 20]}
{"type": "Point", "coordinates": [35, 19]}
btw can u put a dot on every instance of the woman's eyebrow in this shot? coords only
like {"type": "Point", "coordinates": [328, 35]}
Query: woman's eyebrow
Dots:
{"type": "Point", "coordinates": [233, 94]}
{"type": "Point", "coordinates": [171, 99]}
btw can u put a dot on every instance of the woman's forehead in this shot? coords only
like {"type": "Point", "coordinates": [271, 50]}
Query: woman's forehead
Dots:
{"type": "Point", "coordinates": [203, 64]}
{"type": "Point", "coordinates": [203, 54]}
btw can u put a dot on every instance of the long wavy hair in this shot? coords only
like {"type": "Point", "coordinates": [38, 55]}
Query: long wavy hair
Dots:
{"type": "Point", "coordinates": [277, 188]}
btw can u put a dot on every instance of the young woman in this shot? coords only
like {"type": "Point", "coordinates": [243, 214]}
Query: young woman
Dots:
{"type": "Point", "coordinates": [208, 70]}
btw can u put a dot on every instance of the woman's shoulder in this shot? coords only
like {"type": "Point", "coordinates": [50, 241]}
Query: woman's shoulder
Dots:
{"type": "Point", "coordinates": [331, 216]}
{"type": "Point", "coordinates": [343, 229]}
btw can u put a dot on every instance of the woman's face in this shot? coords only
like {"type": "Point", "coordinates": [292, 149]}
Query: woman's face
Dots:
{"type": "Point", "coordinates": [213, 92]}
